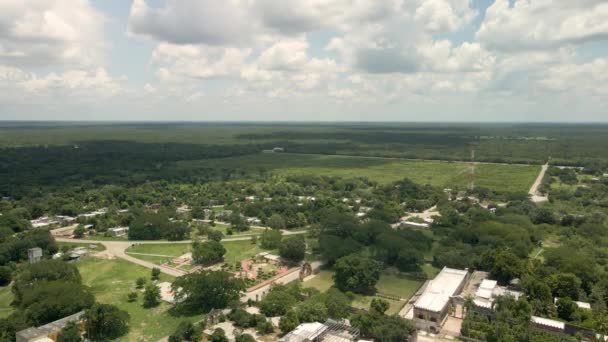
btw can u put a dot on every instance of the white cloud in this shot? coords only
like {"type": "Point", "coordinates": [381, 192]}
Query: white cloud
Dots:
{"type": "Point", "coordinates": [43, 32]}
{"type": "Point", "coordinates": [184, 62]}
{"type": "Point", "coordinates": [444, 15]}
{"type": "Point", "coordinates": [226, 22]}
{"type": "Point", "coordinates": [543, 24]}
{"type": "Point", "coordinates": [586, 78]}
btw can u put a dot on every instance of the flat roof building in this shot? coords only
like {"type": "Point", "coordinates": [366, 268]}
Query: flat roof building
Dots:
{"type": "Point", "coordinates": [432, 308]}
{"type": "Point", "coordinates": [43, 333]}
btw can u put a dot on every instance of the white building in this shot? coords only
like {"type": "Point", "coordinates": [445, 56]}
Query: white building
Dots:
{"type": "Point", "coordinates": [488, 291]}
{"type": "Point", "coordinates": [432, 308]}
{"type": "Point", "coordinates": [118, 231]}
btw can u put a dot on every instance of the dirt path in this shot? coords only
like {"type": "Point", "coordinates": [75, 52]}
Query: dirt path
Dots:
{"type": "Point", "coordinates": [535, 195]}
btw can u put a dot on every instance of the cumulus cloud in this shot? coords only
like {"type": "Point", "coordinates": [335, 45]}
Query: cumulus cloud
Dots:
{"type": "Point", "coordinates": [226, 22]}
{"type": "Point", "coordinates": [43, 32]}
{"type": "Point", "coordinates": [543, 24]}
{"type": "Point", "coordinates": [585, 78]}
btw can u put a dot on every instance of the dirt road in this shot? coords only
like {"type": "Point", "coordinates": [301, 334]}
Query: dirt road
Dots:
{"type": "Point", "coordinates": [535, 195]}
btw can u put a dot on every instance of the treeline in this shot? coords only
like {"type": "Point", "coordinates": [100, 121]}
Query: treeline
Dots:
{"type": "Point", "coordinates": [97, 163]}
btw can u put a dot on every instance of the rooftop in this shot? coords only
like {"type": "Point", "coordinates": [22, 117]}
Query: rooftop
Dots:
{"type": "Point", "coordinates": [437, 294]}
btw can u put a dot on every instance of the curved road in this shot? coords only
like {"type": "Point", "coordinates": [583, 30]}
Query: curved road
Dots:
{"type": "Point", "coordinates": [118, 249]}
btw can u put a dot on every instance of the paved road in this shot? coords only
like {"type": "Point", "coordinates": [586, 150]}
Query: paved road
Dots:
{"type": "Point", "coordinates": [118, 249]}
{"type": "Point", "coordinates": [535, 195]}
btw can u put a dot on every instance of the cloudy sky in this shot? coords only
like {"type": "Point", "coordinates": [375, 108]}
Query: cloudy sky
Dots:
{"type": "Point", "coordinates": [321, 60]}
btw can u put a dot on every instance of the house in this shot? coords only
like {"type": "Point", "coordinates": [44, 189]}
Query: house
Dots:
{"type": "Point", "coordinates": [47, 332]}
{"type": "Point", "coordinates": [184, 209]}
{"type": "Point", "coordinates": [432, 308]}
{"type": "Point", "coordinates": [118, 231]}
{"type": "Point", "coordinates": [253, 220]}
{"type": "Point", "coordinates": [43, 222]}
{"type": "Point", "coordinates": [488, 291]}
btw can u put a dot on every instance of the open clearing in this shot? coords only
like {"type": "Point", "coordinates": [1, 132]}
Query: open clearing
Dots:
{"type": "Point", "coordinates": [392, 284]}
{"type": "Point", "coordinates": [112, 280]}
{"type": "Point", "coordinates": [498, 177]}
{"type": "Point", "coordinates": [235, 251]}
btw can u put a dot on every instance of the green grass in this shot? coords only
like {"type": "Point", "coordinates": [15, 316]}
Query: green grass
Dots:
{"type": "Point", "coordinates": [512, 178]}
{"type": "Point", "coordinates": [322, 281]}
{"type": "Point", "coordinates": [112, 280]}
{"type": "Point", "coordinates": [393, 284]}
{"type": "Point", "coordinates": [239, 250]}
{"type": "Point", "coordinates": [6, 297]}
{"type": "Point", "coordinates": [235, 250]}
{"type": "Point", "coordinates": [398, 284]}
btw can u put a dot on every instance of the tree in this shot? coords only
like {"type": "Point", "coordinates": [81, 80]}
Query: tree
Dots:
{"type": "Point", "coordinates": [79, 232]}
{"type": "Point", "coordinates": [70, 333]}
{"type": "Point", "coordinates": [151, 296]}
{"type": "Point", "coordinates": [6, 275]}
{"type": "Point", "coordinates": [244, 338]}
{"type": "Point", "coordinates": [215, 235]}
{"type": "Point", "coordinates": [48, 301]}
{"type": "Point", "coordinates": [197, 213]}
{"type": "Point", "coordinates": [566, 308]}
{"type": "Point", "coordinates": [176, 231]}
{"type": "Point", "coordinates": [149, 226]}
{"type": "Point", "coordinates": [218, 336]}
{"type": "Point", "coordinates": [382, 327]}
{"type": "Point", "coordinates": [45, 270]}
{"type": "Point", "coordinates": [185, 332]}
{"type": "Point", "coordinates": [106, 322]}
{"type": "Point", "coordinates": [379, 305]}
{"type": "Point", "coordinates": [271, 239]}
{"type": "Point", "coordinates": [206, 290]}
{"type": "Point", "coordinates": [337, 303]}
{"type": "Point", "coordinates": [277, 302]}
{"type": "Point", "coordinates": [293, 249]}
{"type": "Point", "coordinates": [264, 327]}
{"type": "Point", "coordinates": [334, 247]}
{"type": "Point", "coordinates": [289, 322]}
{"type": "Point", "coordinates": [155, 273]}
{"type": "Point", "coordinates": [566, 285]}
{"type": "Point", "coordinates": [132, 296]}
{"type": "Point", "coordinates": [140, 282]}
{"type": "Point", "coordinates": [312, 311]}
{"type": "Point", "coordinates": [356, 273]}
{"type": "Point", "coordinates": [208, 252]}
{"type": "Point", "coordinates": [276, 221]}
{"type": "Point", "coordinates": [504, 266]}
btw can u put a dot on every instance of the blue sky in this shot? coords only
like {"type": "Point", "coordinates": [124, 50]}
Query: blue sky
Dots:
{"type": "Point", "coordinates": [320, 60]}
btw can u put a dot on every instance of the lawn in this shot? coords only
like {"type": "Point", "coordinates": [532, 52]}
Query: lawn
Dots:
{"type": "Point", "coordinates": [6, 297]}
{"type": "Point", "coordinates": [112, 280]}
{"type": "Point", "coordinates": [516, 178]}
{"type": "Point", "coordinates": [235, 251]}
{"type": "Point", "coordinates": [322, 281]}
{"type": "Point", "coordinates": [392, 284]}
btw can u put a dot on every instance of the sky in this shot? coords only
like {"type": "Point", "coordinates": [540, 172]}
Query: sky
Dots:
{"type": "Point", "coordinates": [304, 60]}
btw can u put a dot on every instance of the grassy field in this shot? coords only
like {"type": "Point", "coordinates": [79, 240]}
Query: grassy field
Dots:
{"type": "Point", "coordinates": [514, 178]}
{"type": "Point", "coordinates": [112, 280]}
{"type": "Point", "coordinates": [235, 250]}
{"type": "Point", "coordinates": [6, 297]}
{"type": "Point", "coordinates": [392, 284]}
